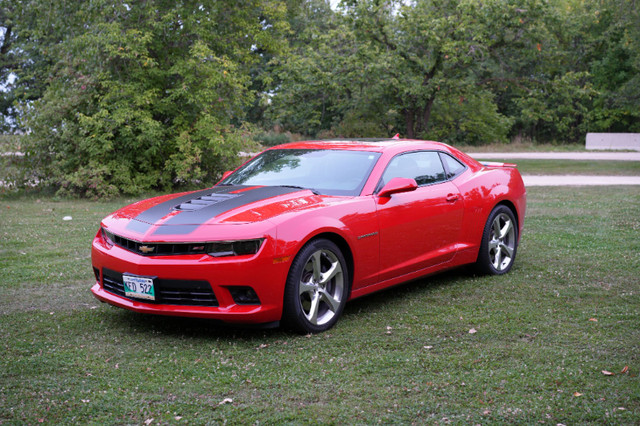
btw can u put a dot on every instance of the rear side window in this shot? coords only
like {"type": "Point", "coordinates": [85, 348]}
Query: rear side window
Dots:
{"type": "Point", "coordinates": [453, 166]}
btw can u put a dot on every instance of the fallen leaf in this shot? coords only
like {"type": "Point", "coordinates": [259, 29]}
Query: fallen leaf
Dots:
{"type": "Point", "coordinates": [593, 319]}
{"type": "Point", "coordinates": [473, 331]}
{"type": "Point", "coordinates": [625, 369]}
{"type": "Point", "coordinates": [148, 421]}
{"type": "Point", "coordinates": [428, 347]}
{"type": "Point", "coordinates": [486, 412]}
{"type": "Point", "coordinates": [178, 417]}
{"type": "Point", "coordinates": [225, 401]}
{"type": "Point", "coordinates": [607, 373]}
{"type": "Point", "coordinates": [577, 394]}
{"type": "Point", "coordinates": [262, 346]}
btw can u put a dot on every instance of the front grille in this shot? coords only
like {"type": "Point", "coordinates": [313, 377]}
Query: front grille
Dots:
{"type": "Point", "coordinates": [168, 292]}
{"type": "Point", "coordinates": [157, 249]}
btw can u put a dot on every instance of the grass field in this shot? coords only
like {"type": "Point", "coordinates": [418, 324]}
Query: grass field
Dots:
{"type": "Point", "coordinates": [569, 310]}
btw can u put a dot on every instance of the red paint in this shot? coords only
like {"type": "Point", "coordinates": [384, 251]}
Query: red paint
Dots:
{"type": "Point", "coordinates": [407, 233]}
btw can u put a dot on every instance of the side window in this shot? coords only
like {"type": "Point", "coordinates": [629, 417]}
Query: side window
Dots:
{"type": "Point", "coordinates": [424, 166]}
{"type": "Point", "coordinates": [453, 166]}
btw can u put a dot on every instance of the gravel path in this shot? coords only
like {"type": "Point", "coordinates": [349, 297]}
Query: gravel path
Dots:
{"type": "Point", "coordinates": [585, 156]}
{"type": "Point", "coordinates": [575, 180]}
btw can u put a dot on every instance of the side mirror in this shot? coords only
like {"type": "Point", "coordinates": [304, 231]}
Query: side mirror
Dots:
{"type": "Point", "coordinates": [397, 185]}
{"type": "Point", "coordinates": [226, 174]}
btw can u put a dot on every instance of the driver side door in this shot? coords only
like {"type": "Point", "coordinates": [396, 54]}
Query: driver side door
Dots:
{"type": "Point", "coordinates": [421, 228]}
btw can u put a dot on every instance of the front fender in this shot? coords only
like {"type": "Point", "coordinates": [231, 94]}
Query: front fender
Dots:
{"type": "Point", "coordinates": [353, 221]}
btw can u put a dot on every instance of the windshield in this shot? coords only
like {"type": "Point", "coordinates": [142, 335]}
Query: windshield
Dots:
{"type": "Point", "coordinates": [325, 171]}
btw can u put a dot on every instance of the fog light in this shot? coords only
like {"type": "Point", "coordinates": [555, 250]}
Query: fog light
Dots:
{"type": "Point", "coordinates": [244, 296]}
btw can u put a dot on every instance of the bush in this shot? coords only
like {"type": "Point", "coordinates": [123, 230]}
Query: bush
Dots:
{"type": "Point", "coordinates": [272, 138]}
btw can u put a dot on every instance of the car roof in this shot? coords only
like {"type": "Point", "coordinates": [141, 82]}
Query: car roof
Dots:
{"type": "Point", "coordinates": [376, 145]}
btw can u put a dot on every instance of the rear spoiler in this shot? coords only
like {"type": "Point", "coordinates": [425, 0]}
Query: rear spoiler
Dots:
{"type": "Point", "coordinates": [496, 164]}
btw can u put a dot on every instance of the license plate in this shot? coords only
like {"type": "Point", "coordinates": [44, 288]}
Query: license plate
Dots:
{"type": "Point", "coordinates": [138, 287]}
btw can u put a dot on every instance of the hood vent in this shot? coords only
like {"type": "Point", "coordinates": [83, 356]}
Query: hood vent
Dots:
{"type": "Point", "coordinates": [204, 201]}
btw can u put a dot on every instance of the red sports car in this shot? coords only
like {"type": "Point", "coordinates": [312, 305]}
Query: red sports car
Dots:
{"type": "Point", "coordinates": [301, 228]}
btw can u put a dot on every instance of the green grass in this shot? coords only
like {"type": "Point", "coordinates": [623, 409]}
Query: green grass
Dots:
{"type": "Point", "coordinates": [575, 167]}
{"type": "Point", "coordinates": [523, 146]}
{"type": "Point", "coordinates": [400, 356]}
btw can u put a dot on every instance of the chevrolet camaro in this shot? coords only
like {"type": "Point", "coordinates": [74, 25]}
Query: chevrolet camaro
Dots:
{"type": "Point", "coordinates": [294, 233]}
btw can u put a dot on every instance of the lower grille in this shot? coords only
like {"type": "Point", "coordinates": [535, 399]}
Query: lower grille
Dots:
{"type": "Point", "coordinates": [168, 292]}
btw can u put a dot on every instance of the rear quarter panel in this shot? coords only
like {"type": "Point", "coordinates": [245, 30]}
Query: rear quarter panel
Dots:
{"type": "Point", "coordinates": [482, 190]}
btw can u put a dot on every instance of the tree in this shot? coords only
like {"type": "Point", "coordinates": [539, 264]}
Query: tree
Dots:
{"type": "Point", "coordinates": [381, 67]}
{"type": "Point", "coordinates": [615, 66]}
{"type": "Point", "coordinates": [150, 94]}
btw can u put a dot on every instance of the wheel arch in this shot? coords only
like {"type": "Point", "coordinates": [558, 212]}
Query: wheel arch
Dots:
{"type": "Point", "coordinates": [344, 247]}
{"type": "Point", "coordinates": [513, 209]}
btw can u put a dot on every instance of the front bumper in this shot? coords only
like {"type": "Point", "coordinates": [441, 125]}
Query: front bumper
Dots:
{"type": "Point", "coordinates": [261, 272]}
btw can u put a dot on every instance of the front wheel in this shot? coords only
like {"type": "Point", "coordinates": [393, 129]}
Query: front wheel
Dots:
{"type": "Point", "coordinates": [499, 242]}
{"type": "Point", "coordinates": [316, 289]}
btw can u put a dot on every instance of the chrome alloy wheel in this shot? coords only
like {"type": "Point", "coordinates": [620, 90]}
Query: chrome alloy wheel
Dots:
{"type": "Point", "coordinates": [321, 287]}
{"type": "Point", "coordinates": [502, 242]}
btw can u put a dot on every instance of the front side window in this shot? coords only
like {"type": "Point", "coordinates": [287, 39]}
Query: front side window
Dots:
{"type": "Point", "coordinates": [326, 171]}
{"type": "Point", "coordinates": [423, 166]}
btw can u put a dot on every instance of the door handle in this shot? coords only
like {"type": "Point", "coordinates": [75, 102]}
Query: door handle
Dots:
{"type": "Point", "coordinates": [452, 198]}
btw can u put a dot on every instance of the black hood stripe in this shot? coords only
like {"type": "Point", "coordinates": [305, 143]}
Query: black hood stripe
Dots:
{"type": "Point", "coordinates": [187, 221]}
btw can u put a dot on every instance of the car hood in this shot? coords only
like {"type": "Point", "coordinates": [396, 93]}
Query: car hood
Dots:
{"type": "Point", "coordinates": [180, 214]}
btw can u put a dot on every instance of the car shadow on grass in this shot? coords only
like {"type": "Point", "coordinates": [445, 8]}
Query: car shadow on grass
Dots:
{"type": "Point", "coordinates": [400, 294]}
{"type": "Point", "coordinates": [147, 325]}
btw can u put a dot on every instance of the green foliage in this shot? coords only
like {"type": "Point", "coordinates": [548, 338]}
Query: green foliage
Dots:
{"type": "Point", "coordinates": [570, 94]}
{"type": "Point", "coordinates": [272, 138]}
{"type": "Point", "coordinates": [118, 97]}
{"type": "Point", "coordinates": [149, 95]}
{"type": "Point", "coordinates": [472, 120]}
{"type": "Point", "coordinates": [547, 71]}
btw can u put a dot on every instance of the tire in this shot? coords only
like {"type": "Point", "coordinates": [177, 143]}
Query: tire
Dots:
{"type": "Point", "coordinates": [317, 288]}
{"type": "Point", "coordinates": [499, 242]}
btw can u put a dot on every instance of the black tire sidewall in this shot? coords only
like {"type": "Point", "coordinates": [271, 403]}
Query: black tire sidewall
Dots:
{"type": "Point", "coordinates": [292, 314]}
{"type": "Point", "coordinates": [483, 264]}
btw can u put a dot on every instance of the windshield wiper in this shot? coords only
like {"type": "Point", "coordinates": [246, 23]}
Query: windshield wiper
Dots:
{"type": "Point", "coordinates": [300, 187]}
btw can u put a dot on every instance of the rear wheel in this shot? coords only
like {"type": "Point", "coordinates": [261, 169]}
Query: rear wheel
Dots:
{"type": "Point", "coordinates": [499, 242]}
{"type": "Point", "coordinates": [316, 289]}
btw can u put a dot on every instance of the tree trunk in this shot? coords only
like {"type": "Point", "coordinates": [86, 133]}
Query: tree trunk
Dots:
{"type": "Point", "coordinates": [410, 122]}
{"type": "Point", "coordinates": [426, 114]}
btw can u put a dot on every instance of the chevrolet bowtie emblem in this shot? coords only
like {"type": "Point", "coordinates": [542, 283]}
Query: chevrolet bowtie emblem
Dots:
{"type": "Point", "coordinates": [146, 249]}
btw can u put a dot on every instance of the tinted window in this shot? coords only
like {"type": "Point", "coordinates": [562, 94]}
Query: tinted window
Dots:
{"type": "Point", "coordinates": [454, 167]}
{"type": "Point", "coordinates": [425, 167]}
{"type": "Point", "coordinates": [327, 171]}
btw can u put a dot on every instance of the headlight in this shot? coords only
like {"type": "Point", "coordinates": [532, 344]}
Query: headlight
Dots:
{"type": "Point", "coordinates": [234, 248]}
{"type": "Point", "coordinates": [107, 237]}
